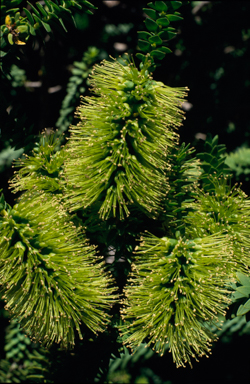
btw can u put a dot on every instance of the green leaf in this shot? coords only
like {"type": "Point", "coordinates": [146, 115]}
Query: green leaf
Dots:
{"type": "Point", "coordinates": [247, 304]}
{"type": "Point", "coordinates": [174, 17]}
{"type": "Point", "coordinates": [155, 40]}
{"type": "Point", "coordinates": [55, 7]}
{"type": "Point", "coordinates": [242, 310]}
{"type": "Point", "coordinates": [144, 45]}
{"type": "Point", "coordinates": [237, 295]}
{"type": "Point", "coordinates": [4, 29]}
{"type": "Point", "coordinates": [2, 54]}
{"type": "Point", "coordinates": [34, 9]}
{"type": "Point", "coordinates": [17, 15]}
{"type": "Point", "coordinates": [161, 6]}
{"type": "Point", "coordinates": [151, 13]}
{"type": "Point", "coordinates": [29, 16]}
{"type": "Point", "coordinates": [14, 10]}
{"type": "Point", "coordinates": [151, 5]}
{"type": "Point", "coordinates": [52, 15]}
{"type": "Point", "coordinates": [144, 35]}
{"type": "Point", "coordinates": [32, 31]}
{"type": "Point", "coordinates": [10, 38]}
{"type": "Point", "coordinates": [151, 25]}
{"type": "Point", "coordinates": [42, 10]}
{"type": "Point", "coordinates": [88, 4]}
{"type": "Point", "coordinates": [166, 35]}
{"type": "Point", "coordinates": [37, 19]}
{"type": "Point", "coordinates": [46, 26]}
{"type": "Point", "coordinates": [65, 9]}
{"type": "Point", "coordinates": [75, 4]}
{"type": "Point", "coordinates": [141, 57]}
{"type": "Point", "coordinates": [176, 4]}
{"type": "Point", "coordinates": [244, 290]}
{"type": "Point", "coordinates": [244, 280]}
{"type": "Point", "coordinates": [164, 49]}
{"type": "Point", "coordinates": [48, 5]}
{"type": "Point", "coordinates": [23, 29]}
{"type": "Point", "coordinates": [60, 19]}
{"type": "Point", "coordinates": [172, 29]}
{"type": "Point", "coordinates": [158, 54]}
{"type": "Point", "coordinates": [163, 21]}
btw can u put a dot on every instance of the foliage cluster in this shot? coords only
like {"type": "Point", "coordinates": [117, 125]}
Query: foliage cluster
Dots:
{"type": "Point", "coordinates": [15, 26]}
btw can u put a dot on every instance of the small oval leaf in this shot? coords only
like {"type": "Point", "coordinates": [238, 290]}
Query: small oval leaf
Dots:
{"type": "Point", "coordinates": [247, 304]}
{"type": "Point", "coordinates": [17, 15]}
{"type": "Point", "coordinates": [32, 31]}
{"type": "Point", "coordinates": [166, 35]}
{"type": "Point", "coordinates": [151, 25]}
{"type": "Point", "coordinates": [157, 54]}
{"type": "Point", "coordinates": [243, 279]}
{"type": "Point", "coordinates": [151, 5]}
{"type": "Point", "coordinates": [237, 295]}
{"type": "Point", "coordinates": [174, 17]}
{"type": "Point", "coordinates": [244, 290]}
{"type": "Point", "coordinates": [144, 45]}
{"type": "Point", "coordinates": [46, 26]}
{"type": "Point", "coordinates": [10, 38]}
{"type": "Point", "coordinates": [163, 21]}
{"type": "Point", "coordinates": [176, 4]}
{"type": "Point", "coordinates": [242, 310]}
{"type": "Point", "coordinates": [143, 35]}
{"type": "Point", "coordinates": [141, 57]}
{"type": "Point", "coordinates": [165, 50]}
{"type": "Point", "coordinates": [161, 6]}
{"type": "Point", "coordinates": [155, 40]}
{"type": "Point", "coordinates": [23, 29]}
{"type": "Point", "coordinates": [151, 13]}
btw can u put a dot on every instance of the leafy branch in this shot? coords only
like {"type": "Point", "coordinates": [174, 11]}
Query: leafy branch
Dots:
{"type": "Point", "coordinates": [76, 86]}
{"type": "Point", "coordinates": [153, 43]}
{"type": "Point", "coordinates": [18, 24]}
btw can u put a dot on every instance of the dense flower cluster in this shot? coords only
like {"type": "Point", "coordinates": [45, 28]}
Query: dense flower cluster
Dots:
{"type": "Point", "coordinates": [225, 211]}
{"type": "Point", "coordinates": [41, 170]}
{"type": "Point", "coordinates": [177, 288]}
{"type": "Point", "coordinates": [117, 154]}
{"type": "Point", "coordinates": [51, 278]}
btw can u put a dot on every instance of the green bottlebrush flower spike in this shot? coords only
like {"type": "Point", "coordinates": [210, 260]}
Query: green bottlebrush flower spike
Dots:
{"type": "Point", "coordinates": [42, 170]}
{"type": "Point", "coordinates": [224, 211]}
{"type": "Point", "coordinates": [178, 285]}
{"type": "Point", "coordinates": [118, 152]}
{"type": "Point", "coordinates": [49, 274]}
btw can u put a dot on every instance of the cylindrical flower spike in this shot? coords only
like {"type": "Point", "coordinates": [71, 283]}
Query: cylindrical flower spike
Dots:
{"type": "Point", "coordinates": [226, 211]}
{"type": "Point", "coordinates": [117, 154]}
{"type": "Point", "coordinates": [41, 170]}
{"type": "Point", "coordinates": [51, 278]}
{"type": "Point", "coordinates": [177, 287]}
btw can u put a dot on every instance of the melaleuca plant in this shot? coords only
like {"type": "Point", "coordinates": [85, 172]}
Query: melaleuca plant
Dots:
{"type": "Point", "coordinates": [121, 166]}
{"type": "Point", "coordinates": [51, 278]}
{"type": "Point", "coordinates": [177, 287]}
{"type": "Point", "coordinates": [41, 170]}
{"type": "Point", "coordinates": [118, 153]}
{"type": "Point", "coordinates": [225, 210]}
